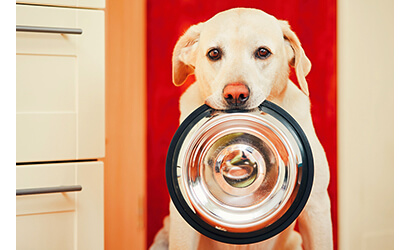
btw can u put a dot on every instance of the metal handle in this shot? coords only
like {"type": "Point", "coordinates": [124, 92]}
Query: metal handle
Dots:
{"type": "Point", "coordinates": [48, 190]}
{"type": "Point", "coordinates": [49, 30]}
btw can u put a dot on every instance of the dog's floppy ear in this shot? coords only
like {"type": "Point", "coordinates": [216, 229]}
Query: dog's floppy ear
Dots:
{"type": "Point", "coordinates": [296, 55]}
{"type": "Point", "coordinates": [183, 58]}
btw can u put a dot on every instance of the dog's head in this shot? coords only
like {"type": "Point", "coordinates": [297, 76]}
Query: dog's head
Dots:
{"type": "Point", "coordinates": [240, 57]}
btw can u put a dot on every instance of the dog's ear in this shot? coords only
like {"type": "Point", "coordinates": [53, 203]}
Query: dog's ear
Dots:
{"type": "Point", "coordinates": [296, 55]}
{"type": "Point", "coordinates": [183, 58]}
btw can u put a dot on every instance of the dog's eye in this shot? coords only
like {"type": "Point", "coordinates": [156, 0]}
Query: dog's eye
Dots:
{"type": "Point", "coordinates": [214, 54]}
{"type": "Point", "coordinates": [262, 53]}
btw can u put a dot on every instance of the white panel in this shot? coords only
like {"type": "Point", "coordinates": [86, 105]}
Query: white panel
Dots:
{"type": "Point", "coordinates": [100, 4]}
{"type": "Point", "coordinates": [45, 16]}
{"type": "Point", "coordinates": [45, 43]}
{"type": "Point", "coordinates": [32, 176]}
{"type": "Point", "coordinates": [45, 137]}
{"type": "Point", "coordinates": [45, 231]}
{"type": "Point", "coordinates": [91, 206]}
{"type": "Point", "coordinates": [60, 86]}
{"type": "Point", "coordinates": [45, 83]}
{"type": "Point", "coordinates": [40, 222]}
{"type": "Point", "coordinates": [365, 124]}
{"type": "Point", "coordinates": [91, 99]}
{"type": "Point", "coordinates": [43, 203]}
{"type": "Point", "coordinates": [378, 239]}
{"type": "Point", "coordinates": [45, 175]}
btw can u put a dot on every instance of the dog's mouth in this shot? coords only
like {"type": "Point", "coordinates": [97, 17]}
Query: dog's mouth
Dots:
{"type": "Point", "coordinates": [223, 102]}
{"type": "Point", "coordinates": [224, 106]}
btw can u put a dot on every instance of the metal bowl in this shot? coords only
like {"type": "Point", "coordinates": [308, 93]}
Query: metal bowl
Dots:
{"type": "Point", "coordinates": [239, 176]}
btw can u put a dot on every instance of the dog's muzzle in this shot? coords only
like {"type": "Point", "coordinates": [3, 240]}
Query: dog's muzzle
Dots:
{"type": "Point", "coordinates": [236, 94]}
{"type": "Point", "coordinates": [239, 176]}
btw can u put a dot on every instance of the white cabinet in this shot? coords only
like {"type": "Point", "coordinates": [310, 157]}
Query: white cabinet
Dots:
{"type": "Point", "coordinates": [94, 4]}
{"type": "Point", "coordinates": [60, 133]}
{"type": "Point", "coordinates": [60, 85]}
{"type": "Point", "coordinates": [61, 220]}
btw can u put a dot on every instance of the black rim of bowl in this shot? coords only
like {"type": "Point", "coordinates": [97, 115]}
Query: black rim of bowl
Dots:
{"type": "Point", "coordinates": [250, 237]}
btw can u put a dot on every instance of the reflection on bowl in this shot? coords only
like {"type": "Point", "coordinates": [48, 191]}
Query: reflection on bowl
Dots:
{"type": "Point", "coordinates": [239, 174]}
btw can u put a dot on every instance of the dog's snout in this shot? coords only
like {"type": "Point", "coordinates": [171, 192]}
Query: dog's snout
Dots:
{"type": "Point", "coordinates": [236, 94]}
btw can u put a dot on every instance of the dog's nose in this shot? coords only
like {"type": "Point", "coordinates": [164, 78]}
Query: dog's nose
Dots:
{"type": "Point", "coordinates": [236, 93]}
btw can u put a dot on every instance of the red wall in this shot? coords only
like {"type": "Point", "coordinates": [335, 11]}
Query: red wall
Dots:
{"type": "Point", "coordinates": [314, 21]}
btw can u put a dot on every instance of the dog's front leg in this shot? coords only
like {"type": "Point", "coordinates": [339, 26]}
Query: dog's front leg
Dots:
{"type": "Point", "coordinates": [315, 222]}
{"type": "Point", "coordinates": [181, 235]}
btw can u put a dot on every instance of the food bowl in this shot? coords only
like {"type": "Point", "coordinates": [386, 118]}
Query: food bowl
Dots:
{"type": "Point", "coordinates": [239, 176]}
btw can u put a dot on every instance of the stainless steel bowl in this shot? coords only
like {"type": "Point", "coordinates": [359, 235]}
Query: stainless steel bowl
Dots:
{"type": "Point", "coordinates": [239, 176]}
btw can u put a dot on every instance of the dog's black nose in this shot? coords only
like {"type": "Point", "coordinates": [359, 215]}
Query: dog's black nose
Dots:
{"type": "Point", "coordinates": [236, 94]}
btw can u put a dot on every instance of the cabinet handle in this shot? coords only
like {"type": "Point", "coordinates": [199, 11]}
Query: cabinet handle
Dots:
{"type": "Point", "coordinates": [48, 190]}
{"type": "Point", "coordinates": [49, 30]}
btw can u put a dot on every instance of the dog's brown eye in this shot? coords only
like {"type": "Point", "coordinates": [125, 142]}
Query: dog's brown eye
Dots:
{"type": "Point", "coordinates": [214, 54]}
{"type": "Point", "coordinates": [262, 53]}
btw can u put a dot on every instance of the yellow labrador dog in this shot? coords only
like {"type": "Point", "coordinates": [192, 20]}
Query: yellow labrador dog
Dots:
{"type": "Point", "coordinates": [241, 57]}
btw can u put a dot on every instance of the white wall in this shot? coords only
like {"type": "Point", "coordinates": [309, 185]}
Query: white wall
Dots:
{"type": "Point", "coordinates": [365, 124]}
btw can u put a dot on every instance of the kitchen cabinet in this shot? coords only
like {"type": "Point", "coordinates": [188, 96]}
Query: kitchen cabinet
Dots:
{"type": "Point", "coordinates": [60, 85]}
{"type": "Point", "coordinates": [60, 124]}
{"type": "Point", "coordinates": [98, 4]}
{"type": "Point", "coordinates": [60, 220]}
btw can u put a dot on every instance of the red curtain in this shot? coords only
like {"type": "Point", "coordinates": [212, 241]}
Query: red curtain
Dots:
{"type": "Point", "coordinates": [314, 21]}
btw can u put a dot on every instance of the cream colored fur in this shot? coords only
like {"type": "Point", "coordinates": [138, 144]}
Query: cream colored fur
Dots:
{"type": "Point", "coordinates": [239, 33]}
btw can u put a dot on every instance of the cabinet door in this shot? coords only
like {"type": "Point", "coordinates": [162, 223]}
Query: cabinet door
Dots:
{"type": "Point", "coordinates": [62, 220]}
{"type": "Point", "coordinates": [96, 4]}
{"type": "Point", "coordinates": [60, 84]}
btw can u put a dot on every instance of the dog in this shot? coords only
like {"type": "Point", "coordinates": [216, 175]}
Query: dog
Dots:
{"type": "Point", "coordinates": [240, 57]}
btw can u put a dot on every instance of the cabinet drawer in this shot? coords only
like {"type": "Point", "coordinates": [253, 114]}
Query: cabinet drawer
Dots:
{"type": "Point", "coordinates": [40, 176]}
{"type": "Point", "coordinates": [97, 4]}
{"type": "Point", "coordinates": [46, 231]}
{"type": "Point", "coordinates": [60, 85]}
{"type": "Point", "coordinates": [55, 220]}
